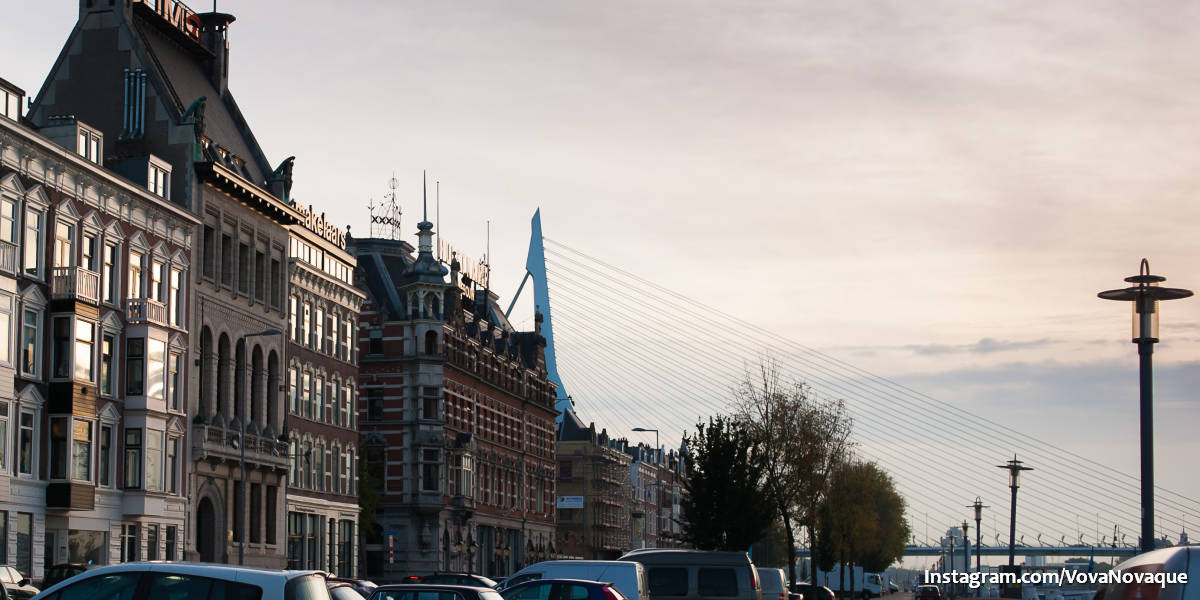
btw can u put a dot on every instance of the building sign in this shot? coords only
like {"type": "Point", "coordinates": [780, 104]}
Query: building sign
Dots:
{"type": "Point", "coordinates": [177, 14]}
{"type": "Point", "coordinates": [318, 224]}
{"type": "Point", "coordinates": [477, 271]}
{"type": "Point", "coordinates": [570, 502]}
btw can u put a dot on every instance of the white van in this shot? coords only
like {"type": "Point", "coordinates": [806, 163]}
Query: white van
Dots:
{"type": "Point", "coordinates": [774, 583]}
{"type": "Point", "coordinates": [628, 577]}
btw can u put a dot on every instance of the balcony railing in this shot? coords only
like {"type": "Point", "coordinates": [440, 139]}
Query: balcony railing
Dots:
{"type": "Point", "coordinates": [8, 258]}
{"type": "Point", "coordinates": [74, 283]}
{"type": "Point", "coordinates": [140, 311]}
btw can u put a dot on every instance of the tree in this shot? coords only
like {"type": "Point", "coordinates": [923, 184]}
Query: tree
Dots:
{"type": "Point", "coordinates": [724, 505]}
{"type": "Point", "coordinates": [861, 519]}
{"type": "Point", "coordinates": [803, 438]}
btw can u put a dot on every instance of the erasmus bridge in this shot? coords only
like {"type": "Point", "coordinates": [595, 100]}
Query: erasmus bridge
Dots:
{"type": "Point", "coordinates": [634, 354]}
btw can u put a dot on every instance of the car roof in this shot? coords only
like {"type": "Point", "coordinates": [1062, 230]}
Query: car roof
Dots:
{"type": "Point", "coordinates": [690, 556]}
{"type": "Point", "coordinates": [255, 575]}
{"type": "Point", "coordinates": [432, 586]}
{"type": "Point", "coordinates": [583, 581]}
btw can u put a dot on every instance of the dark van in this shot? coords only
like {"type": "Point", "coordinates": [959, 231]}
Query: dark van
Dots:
{"type": "Point", "coordinates": [698, 575]}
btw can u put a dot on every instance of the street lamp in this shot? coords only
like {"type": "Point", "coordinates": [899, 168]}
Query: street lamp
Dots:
{"type": "Point", "coordinates": [978, 506]}
{"type": "Point", "coordinates": [242, 461]}
{"type": "Point", "coordinates": [1145, 295]}
{"type": "Point", "coordinates": [966, 550]}
{"type": "Point", "coordinates": [657, 489]}
{"type": "Point", "coordinates": [1014, 481]}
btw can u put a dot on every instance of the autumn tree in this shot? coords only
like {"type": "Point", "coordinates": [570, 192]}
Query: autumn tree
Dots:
{"type": "Point", "coordinates": [861, 520]}
{"type": "Point", "coordinates": [803, 439]}
{"type": "Point", "coordinates": [724, 504]}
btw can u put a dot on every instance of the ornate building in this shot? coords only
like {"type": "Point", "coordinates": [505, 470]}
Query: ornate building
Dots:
{"type": "Point", "coordinates": [95, 281]}
{"type": "Point", "coordinates": [457, 420]}
{"type": "Point", "coordinates": [322, 388]}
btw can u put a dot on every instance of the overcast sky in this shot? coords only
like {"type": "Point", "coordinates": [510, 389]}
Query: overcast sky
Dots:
{"type": "Point", "coordinates": [933, 191]}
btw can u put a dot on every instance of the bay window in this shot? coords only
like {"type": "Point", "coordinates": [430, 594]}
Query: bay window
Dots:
{"type": "Point", "coordinates": [156, 361]}
{"type": "Point", "coordinates": [58, 447]}
{"type": "Point", "coordinates": [85, 342]}
{"type": "Point", "coordinates": [154, 455]}
{"type": "Point", "coordinates": [133, 458]}
{"type": "Point", "coordinates": [30, 341]}
{"type": "Point", "coordinates": [135, 366]}
{"type": "Point", "coordinates": [81, 450]}
{"type": "Point", "coordinates": [74, 343]}
{"type": "Point", "coordinates": [62, 347]}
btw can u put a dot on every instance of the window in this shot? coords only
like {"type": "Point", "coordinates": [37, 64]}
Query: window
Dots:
{"type": "Point", "coordinates": [157, 293]}
{"type": "Point", "coordinates": [10, 106]}
{"type": "Point", "coordinates": [33, 242]}
{"type": "Point", "coordinates": [348, 402]}
{"type": "Point", "coordinates": [135, 366]}
{"type": "Point", "coordinates": [107, 347]}
{"type": "Point", "coordinates": [272, 498]}
{"type": "Point", "coordinates": [156, 361]}
{"type": "Point", "coordinates": [133, 458]}
{"type": "Point", "coordinates": [350, 479]}
{"type": "Point", "coordinates": [244, 268]}
{"type": "Point", "coordinates": [156, 182]}
{"type": "Point", "coordinates": [210, 250]}
{"type": "Point", "coordinates": [306, 325]}
{"type": "Point", "coordinates": [8, 221]}
{"type": "Point", "coordinates": [275, 281]}
{"type": "Point", "coordinates": [152, 545]}
{"type": "Point", "coordinates": [81, 450]}
{"type": "Point", "coordinates": [106, 455]}
{"type": "Point", "coordinates": [174, 385]}
{"type": "Point", "coordinates": [129, 543]}
{"type": "Point", "coordinates": [6, 323]}
{"type": "Point", "coordinates": [376, 342]}
{"type": "Point", "coordinates": [62, 347]}
{"type": "Point", "coordinates": [255, 513]}
{"type": "Point", "coordinates": [226, 260]}
{"type": "Point", "coordinates": [58, 447]}
{"type": "Point", "coordinates": [306, 394]}
{"type": "Point", "coordinates": [334, 462]}
{"type": "Point", "coordinates": [667, 581]}
{"type": "Point", "coordinates": [89, 251]}
{"type": "Point", "coordinates": [111, 281]}
{"type": "Point", "coordinates": [4, 536]}
{"type": "Point", "coordinates": [375, 404]}
{"type": "Point", "coordinates": [319, 339]}
{"type": "Point", "coordinates": [89, 146]}
{"type": "Point", "coordinates": [154, 456]}
{"type": "Point", "coordinates": [308, 473]}
{"type": "Point", "coordinates": [25, 543]}
{"type": "Point", "coordinates": [176, 297]}
{"type": "Point", "coordinates": [135, 274]}
{"type": "Point", "coordinates": [319, 396]}
{"type": "Point", "coordinates": [173, 465]}
{"type": "Point", "coordinates": [292, 332]}
{"type": "Point", "coordinates": [171, 538]}
{"type": "Point", "coordinates": [335, 345]}
{"type": "Point", "coordinates": [25, 444]}
{"type": "Point", "coordinates": [64, 244]}
{"type": "Point", "coordinates": [85, 342]}
{"type": "Point", "coordinates": [118, 586]}
{"type": "Point", "coordinates": [293, 391]}
{"type": "Point", "coordinates": [260, 276]}
{"type": "Point", "coordinates": [30, 341]}
{"type": "Point", "coordinates": [717, 582]}
{"type": "Point", "coordinates": [4, 439]}
{"type": "Point", "coordinates": [429, 470]}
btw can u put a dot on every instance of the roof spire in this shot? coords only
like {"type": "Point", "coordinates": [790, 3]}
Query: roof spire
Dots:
{"type": "Point", "coordinates": [424, 197]}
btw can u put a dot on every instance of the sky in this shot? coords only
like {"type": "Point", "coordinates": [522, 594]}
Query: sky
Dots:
{"type": "Point", "coordinates": [933, 191]}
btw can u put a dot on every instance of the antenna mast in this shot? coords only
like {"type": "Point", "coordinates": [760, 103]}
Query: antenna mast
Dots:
{"type": "Point", "coordinates": [385, 215]}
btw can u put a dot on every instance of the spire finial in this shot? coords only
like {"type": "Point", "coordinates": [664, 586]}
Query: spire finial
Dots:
{"type": "Point", "coordinates": [424, 197]}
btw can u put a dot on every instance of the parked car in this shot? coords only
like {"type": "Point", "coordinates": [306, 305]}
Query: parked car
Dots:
{"type": "Point", "coordinates": [774, 583]}
{"type": "Point", "coordinates": [63, 572]}
{"type": "Point", "coordinates": [189, 581]}
{"type": "Point", "coordinates": [698, 575]}
{"type": "Point", "coordinates": [15, 584]}
{"type": "Point", "coordinates": [466, 579]}
{"type": "Point", "coordinates": [1171, 562]}
{"type": "Point", "coordinates": [628, 577]}
{"type": "Point", "coordinates": [422, 591]}
{"type": "Point", "coordinates": [809, 591]}
{"type": "Point", "coordinates": [927, 592]}
{"type": "Point", "coordinates": [892, 587]}
{"type": "Point", "coordinates": [562, 589]}
{"type": "Point", "coordinates": [362, 586]}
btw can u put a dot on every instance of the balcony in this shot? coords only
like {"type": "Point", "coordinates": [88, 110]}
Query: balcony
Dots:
{"type": "Point", "coordinates": [8, 258]}
{"type": "Point", "coordinates": [219, 443]}
{"type": "Point", "coordinates": [144, 311]}
{"type": "Point", "coordinates": [74, 283]}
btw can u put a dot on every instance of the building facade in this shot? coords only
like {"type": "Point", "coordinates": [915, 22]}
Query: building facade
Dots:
{"type": "Point", "coordinates": [457, 420]}
{"type": "Point", "coordinates": [595, 514]}
{"type": "Point", "coordinates": [322, 391]}
{"type": "Point", "coordinates": [95, 282]}
{"type": "Point", "coordinates": [154, 77]}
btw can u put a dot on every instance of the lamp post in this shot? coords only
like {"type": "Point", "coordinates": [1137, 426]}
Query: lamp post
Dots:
{"type": "Point", "coordinates": [1014, 468]}
{"type": "Point", "coordinates": [966, 552]}
{"type": "Point", "coordinates": [657, 489]}
{"type": "Point", "coordinates": [242, 460]}
{"type": "Point", "coordinates": [1145, 294]}
{"type": "Point", "coordinates": [950, 557]}
{"type": "Point", "coordinates": [978, 506]}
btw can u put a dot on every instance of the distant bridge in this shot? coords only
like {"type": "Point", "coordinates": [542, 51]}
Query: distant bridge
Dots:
{"type": "Point", "coordinates": [1021, 550]}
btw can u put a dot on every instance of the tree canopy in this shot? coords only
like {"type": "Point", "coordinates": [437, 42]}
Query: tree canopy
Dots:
{"type": "Point", "coordinates": [861, 519]}
{"type": "Point", "coordinates": [724, 504]}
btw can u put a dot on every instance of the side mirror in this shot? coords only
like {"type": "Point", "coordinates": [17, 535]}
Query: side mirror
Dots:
{"type": "Point", "coordinates": [23, 582]}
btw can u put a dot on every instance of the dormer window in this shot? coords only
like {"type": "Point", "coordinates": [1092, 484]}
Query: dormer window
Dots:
{"type": "Point", "coordinates": [158, 180]}
{"type": "Point", "coordinates": [10, 104]}
{"type": "Point", "coordinates": [89, 145]}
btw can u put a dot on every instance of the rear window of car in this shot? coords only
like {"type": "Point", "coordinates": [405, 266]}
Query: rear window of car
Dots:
{"type": "Point", "coordinates": [717, 582]}
{"type": "Point", "coordinates": [667, 581]}
{"type": "Point", "coordinates": [415, 595]}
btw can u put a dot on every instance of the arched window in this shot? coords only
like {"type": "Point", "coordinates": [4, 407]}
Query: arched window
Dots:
{"type": "Point", "coordinates": [430, 342]}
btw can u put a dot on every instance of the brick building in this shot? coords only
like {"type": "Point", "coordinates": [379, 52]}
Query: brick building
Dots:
{"type": "Point", "coordinates": [457, 419]}
{"type": "Point", "coordinates": [596, 470]}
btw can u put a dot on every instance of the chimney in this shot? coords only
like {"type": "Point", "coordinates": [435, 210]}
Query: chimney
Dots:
{"type": "Point", "coordinates": [214, 34]}
{"type": "Point", "coordinates": [134, 111]}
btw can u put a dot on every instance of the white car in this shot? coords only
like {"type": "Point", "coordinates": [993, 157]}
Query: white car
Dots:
{"type": "Point", "coordinates": [188, 581]}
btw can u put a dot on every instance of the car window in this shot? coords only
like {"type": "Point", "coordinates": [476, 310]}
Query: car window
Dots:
{"type": "Point", "coordinates": [575, 592]}
{"type": "Point", "coordinates": [490, 596]}
{"type": "Point", "coordinates": [668, 581]}
{"type": "Point", "coordinates": [716, 583]}
{"type": "Point", "coordinates": [173, 586]}
{"type": "Point", "coordinates": [522, 579]}
{"type": "Point", "coordinates": [533, 591]}
{"type": "Point", "coordinates": [344, 592]}
{"type": "Point", "coordinates": [117, 586]}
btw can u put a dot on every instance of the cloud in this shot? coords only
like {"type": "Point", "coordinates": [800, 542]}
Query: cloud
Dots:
{"type": "Point", "coordinates": [985, 345]}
